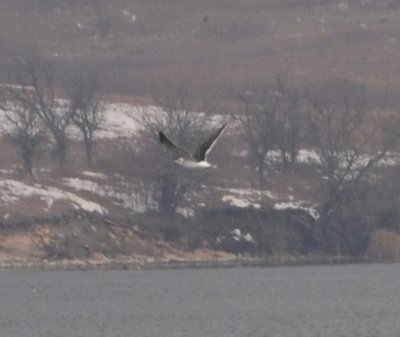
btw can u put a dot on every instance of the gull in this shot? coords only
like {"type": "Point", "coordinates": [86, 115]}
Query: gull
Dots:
{"type": "Point", "coordinates": [199, 158]}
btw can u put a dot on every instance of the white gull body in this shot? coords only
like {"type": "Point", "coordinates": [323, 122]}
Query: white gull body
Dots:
{"type": "Point", "coordinates": [199, 158]}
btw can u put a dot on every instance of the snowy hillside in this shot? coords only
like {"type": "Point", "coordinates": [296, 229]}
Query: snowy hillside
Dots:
{"type": "Point", "coordinates": [97, 192]}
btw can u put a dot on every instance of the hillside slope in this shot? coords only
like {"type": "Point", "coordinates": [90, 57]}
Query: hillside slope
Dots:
{"type": "Point", "coordinates": [210, 52]}
{"type": "Point", "coordinates": [213, 46]}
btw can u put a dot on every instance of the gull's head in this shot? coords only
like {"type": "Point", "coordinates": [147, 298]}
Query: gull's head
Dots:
{"type": "Point", "coordinates": [180, 161]}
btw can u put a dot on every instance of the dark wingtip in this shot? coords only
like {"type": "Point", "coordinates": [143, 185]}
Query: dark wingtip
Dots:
{"type": "Point", "coordinates": [222, 127]}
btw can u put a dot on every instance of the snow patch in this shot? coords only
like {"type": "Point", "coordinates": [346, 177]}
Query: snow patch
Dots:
{"type": "Point", "coordinates": [311, 157]}
{"type": "Point", "coordinates": [236, 202]}
{"type": "Point", "coordinates": [118, 123]}
{"type": "Point", "coordinates": [252, 193]}
{"type": "Point", "coordinates": [13, 191]}
{"type": "Point", "coordinates": [308, 157]}
{"type": "Point", "coordinates": [243, 198]}
{"type": "Point", "coordinates": [95, 174]}
{"type": "Point", "coordinates": [186, 212]}
{"type": "Point", "coordinates": [304, 156]}
{"type": "Point", "coordinates": [129, 15]}
{"type": "Point", "coordinates": [297, 205]}
{"type": "Point", "coordinates": [122, 194]}
{"type": "Point", "coordinates": [237, 235]}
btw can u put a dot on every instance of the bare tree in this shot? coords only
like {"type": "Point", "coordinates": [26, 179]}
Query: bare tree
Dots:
{"type": "Point", "coordinates": [386, 198]}
{"type": "Point", "coordinates": [170, 182]}
{"type": "Point", "coordinates": [289, 123]}
{"type": "Point", "coordinates": [269, 118]}
{"type": "Point", "coordinates": [347, 152]}
{"type": "Point", "coordinates": [256, 116]}
{"type": "Point", "coordinates": [87, 108]}
{"type": "Point", "coordinates": [36, 90]}
{"type": "Point", "coordinates": [23, 126]}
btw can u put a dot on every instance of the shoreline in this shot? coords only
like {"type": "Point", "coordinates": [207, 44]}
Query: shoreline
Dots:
{"type": "Point", "coordinates": [238, 262]}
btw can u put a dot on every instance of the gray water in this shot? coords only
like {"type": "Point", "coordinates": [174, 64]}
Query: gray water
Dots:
{"type": "Point", "coordinates": [320, 301]}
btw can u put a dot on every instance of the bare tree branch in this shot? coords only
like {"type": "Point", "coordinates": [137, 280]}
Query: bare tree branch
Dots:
{"type": "Point", "coordinates": [23, 126]}
{"type": "Point", "coordinates": [36, 79]}
{"type": "Point", "coordinates": [86, 107]}
{"type": "Point", "coordinates": [170, 182]}
{"type": "Point", "coordinates": [346, 151]}
{"type": "Point", "coordinates": [269, 118]}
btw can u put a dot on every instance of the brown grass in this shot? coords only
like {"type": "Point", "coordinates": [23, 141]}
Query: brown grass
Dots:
{"type": "Point", "coordinates": [212, 45]}
{"type": "Point", "coordinates": [384, 245]}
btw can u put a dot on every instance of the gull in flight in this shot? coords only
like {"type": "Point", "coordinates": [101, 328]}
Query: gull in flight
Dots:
{"type": "Point", "coordinates": [199, 158]}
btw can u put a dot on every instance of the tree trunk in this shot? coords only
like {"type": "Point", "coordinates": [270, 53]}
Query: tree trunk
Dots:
{"type": "Point", "coordinates": [261, 171]}
{"type": "Point", "coordinates": [27, 158]}
{"type": "Point", "coordinates": [88, 150]}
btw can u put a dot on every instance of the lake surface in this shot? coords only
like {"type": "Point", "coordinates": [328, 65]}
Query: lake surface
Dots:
{"type": "Point", "coordinates": [320, 301]}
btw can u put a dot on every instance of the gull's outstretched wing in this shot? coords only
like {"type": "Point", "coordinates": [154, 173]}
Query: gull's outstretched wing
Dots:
{"type": "Point", "coordinates": [207, 146]}
{"type": "Point", "coordinates": [170, 145]}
